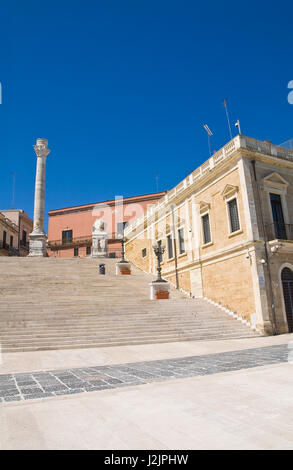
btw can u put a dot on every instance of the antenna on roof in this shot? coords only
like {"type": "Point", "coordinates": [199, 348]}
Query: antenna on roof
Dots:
{"type": "Point", "coordinates": [13, 189]}
{"type": "Point", "coordinates": [228, 119]}
{"type": "Point", "coordinates": [157, 182]}
{"type": "Point", "coordinates": [209, 132]}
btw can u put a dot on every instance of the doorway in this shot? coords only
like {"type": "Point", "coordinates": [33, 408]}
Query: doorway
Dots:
{"type": "Point", "coordinates": [287, 282]}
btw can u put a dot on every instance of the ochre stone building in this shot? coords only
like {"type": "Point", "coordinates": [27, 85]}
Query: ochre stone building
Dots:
{"type": "Point", "coordinates": [228, 230]}
{"type": "Point", "coordinates": [24, 227]}
{"type": "Point", "coordinates": [70, 229]}
{"type": "Point", "coordinates": [8, 236]}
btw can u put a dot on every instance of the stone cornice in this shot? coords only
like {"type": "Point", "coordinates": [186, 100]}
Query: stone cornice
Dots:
{"type": "Point", "coordinates": [240, 146]}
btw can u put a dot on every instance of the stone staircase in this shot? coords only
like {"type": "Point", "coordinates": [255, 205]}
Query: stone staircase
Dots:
{"type": "Point", "coordinates": [52, 303]}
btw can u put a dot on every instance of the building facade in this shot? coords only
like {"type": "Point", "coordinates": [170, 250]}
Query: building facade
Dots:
{"type": "Point", "coordinates": [227, 229]}
{"type": "Point", "coordinates": [25, 226]}
{"type": "Point", "coordinates": [70, 229]}
{"type": "Point", "coordinates": [8, 236]}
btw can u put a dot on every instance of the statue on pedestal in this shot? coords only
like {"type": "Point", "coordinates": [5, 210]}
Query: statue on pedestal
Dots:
{"type": "Point", "coordinates": [99, 239]}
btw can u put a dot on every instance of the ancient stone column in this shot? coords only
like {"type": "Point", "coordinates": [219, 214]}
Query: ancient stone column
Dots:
{"type": "Point", "coordinates": [38, 237]}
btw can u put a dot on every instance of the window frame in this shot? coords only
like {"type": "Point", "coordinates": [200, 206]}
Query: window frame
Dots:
{"type": "Point", "coordinates": [75, 250]}
{"type": "Point", "coordinates": [179, 241]}
{"type": "Point", "coordinates": [169, 236]}
{"type": "Point", "coordinates": [64, 240]}
{"type": "Point", "coordinates": [204, 242]}
{"type": "Point", "coordinates": [227, 200]}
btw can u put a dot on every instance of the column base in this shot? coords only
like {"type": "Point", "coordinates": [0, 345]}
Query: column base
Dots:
{"type": "Point", "coordinates": [37, 244]}
{"type": "Point", "coordinates": [123, 268]}
{"type": "Point", "coordinates": [159, 290]}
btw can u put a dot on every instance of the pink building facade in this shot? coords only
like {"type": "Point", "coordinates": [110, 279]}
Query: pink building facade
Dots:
{"type": "Point", "coordinates": [70, 228]}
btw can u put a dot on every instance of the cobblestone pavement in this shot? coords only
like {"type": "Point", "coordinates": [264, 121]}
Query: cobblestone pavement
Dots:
{"type": "Point", "coordinates": [26, 386]}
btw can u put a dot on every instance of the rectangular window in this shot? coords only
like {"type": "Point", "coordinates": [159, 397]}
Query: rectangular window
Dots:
{"type": "Point", "coordinates": [66, 236]}
{"type": "Point", "coordinates": [24, 237]}
{"type": "Point", "coordinates": [181, 241]}
{"type": "Point", "coordinates": [120, 228]}
{"type": "Point", "coordinates": [233, 214]}
{"type": "Point", "coordinates": [88, 250]}
{"type": "Point", "coordinates": [75, 251]}
{"type": "Point", "coordinates": [278, 217]}
{"type": "Point", "coordinates": [11, 240]}
{"type": "Point", "coordinates": [144, 252]}
{"type": "Point", "coordinates": [170, 246]}
{"type": "Point", "coordinates": [206, 229]}
{"type": "Point", "coordinates": [4, 237]}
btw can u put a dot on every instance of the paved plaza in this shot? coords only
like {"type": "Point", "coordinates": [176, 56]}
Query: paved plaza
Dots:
{"type": "Point", "coordinates": [26, 386]}
{"type": "Point", "coordinates": [225, 395]}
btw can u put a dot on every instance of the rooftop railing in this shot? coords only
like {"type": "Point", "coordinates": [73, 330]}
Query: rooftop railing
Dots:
{"type": "Point", "coordinates": [240, 141]}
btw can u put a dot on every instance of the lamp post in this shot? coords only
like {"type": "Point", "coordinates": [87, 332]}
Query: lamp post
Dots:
{"type": "Point", "coordinates": [123, 266]}
{"type": "Point", "coordinates": [123, 240]}
{"type": "Point", "coordinates": [159, 249]}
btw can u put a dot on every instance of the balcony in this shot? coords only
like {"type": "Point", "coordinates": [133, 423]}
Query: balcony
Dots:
{"type": "Point", "coordinates": [79, 241]}
{"type": "Point", "coordinates": [70, 242]}
{"type": "Point", "coordinates": [279, 231]}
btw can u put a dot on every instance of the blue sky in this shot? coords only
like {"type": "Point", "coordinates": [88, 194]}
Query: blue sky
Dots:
{"type": "Point", "coordinates": [121, 89]}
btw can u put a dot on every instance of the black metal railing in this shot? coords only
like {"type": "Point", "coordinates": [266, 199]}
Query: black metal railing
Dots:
{"type": "Point", "coordinates": [13, 251]}
{"type": "Point", "coordinates": [79, 241]}
{"type": "Point", "coordinates": [4, 245]}
{"type": "Point", "coordinates": [10, 249]}
{"type": "Point", "coordinates": [280, 231]}
{"type": "Point", "coordinates": [73, 242]}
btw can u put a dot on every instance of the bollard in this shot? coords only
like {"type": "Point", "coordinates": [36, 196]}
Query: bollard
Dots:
{"type": "Point", "coordinates": [102, 269]}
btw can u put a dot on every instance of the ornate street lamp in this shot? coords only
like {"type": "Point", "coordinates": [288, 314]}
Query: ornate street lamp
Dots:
{"type": "Point", "coordinates": [123, 240]}
{"type": "Point", "coordinates": [159, 249]}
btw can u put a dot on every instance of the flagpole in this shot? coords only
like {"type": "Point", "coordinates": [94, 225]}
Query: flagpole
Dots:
{"type": "Point", "coordinates": [209, 133]}
{"type": "Point", "coordinates": [228, 119]}
{"type": "Point", "coordinates": [209, 141]}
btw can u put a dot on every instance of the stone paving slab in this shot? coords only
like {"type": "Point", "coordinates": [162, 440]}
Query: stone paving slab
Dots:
{"type": "Point", "coordinates": [16, 387]}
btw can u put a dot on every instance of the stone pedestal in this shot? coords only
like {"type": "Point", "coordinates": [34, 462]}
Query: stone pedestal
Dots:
{"type": "Point", "coordinates": [38, 237]}
{"type": "Point", "coordinates": [122, 268]}
{"type": "Point", "coordinates": [37, 244]}
{"type": "Point", "coordinates": [159, 290]}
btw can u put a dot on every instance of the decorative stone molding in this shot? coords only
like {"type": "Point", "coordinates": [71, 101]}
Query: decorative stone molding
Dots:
{"type": "Point", "coordinates": [275, 181]}
{"type": "Point", "coordinates": [229, 191]}
{"type": "Point", "coordinates": [204, 207]}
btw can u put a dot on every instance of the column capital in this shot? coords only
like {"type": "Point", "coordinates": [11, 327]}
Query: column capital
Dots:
{"type": "Point", "coordinates": [41, 148]}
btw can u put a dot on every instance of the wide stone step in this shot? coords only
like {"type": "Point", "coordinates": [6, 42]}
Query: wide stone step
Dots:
{"type": "Point", "coordinates": [110, 331]}
{"type": "Point", "coordinates": [65, 304]}
{"type": "Point", "coordinates": [74, 345]}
